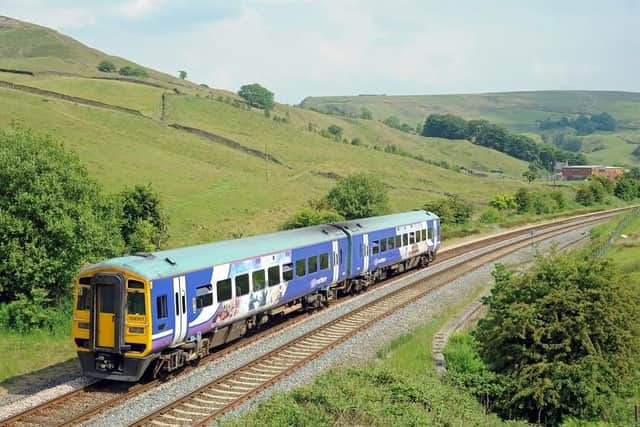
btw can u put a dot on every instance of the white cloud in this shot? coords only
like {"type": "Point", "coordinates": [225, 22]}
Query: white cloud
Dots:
{"type": "Point", "coordinates": [43, 13]}
{"type": "Point", "coordinates": [134, 9]}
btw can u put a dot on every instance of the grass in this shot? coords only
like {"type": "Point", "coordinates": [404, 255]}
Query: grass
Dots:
{"type": "Point", "coordinates": [626, 251]}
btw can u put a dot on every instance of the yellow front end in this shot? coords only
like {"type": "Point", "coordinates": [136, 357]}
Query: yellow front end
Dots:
{"type": "Point", "coordinates": [112, 323]}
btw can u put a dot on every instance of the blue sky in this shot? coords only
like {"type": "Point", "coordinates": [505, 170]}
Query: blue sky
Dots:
{"type": "Point", "coordinates": [299, 48]}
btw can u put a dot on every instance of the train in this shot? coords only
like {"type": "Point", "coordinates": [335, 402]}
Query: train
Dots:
{"type": "Point", "coordinates": [153, 313]}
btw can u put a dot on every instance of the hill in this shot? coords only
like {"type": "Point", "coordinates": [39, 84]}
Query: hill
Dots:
{"type": "Point", "coordinates": [222, 168]}
{"type": "Point", "coordinates": [517, 111]}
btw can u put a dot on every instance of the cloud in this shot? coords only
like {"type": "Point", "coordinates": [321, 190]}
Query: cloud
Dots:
{"type": "Point", "coordinates": [134, 9]}
{"type": "Point", "coordinates": [40, 12]}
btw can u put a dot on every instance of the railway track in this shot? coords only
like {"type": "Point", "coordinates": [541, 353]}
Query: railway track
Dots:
{"type": "Point", "coordinates": [212, 400]}
{"type": "Point", "coordinates": [80, 405]}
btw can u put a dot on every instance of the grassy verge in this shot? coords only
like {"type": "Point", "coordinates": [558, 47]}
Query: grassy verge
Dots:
{"type": "Point", "coordinates": [399, 387]}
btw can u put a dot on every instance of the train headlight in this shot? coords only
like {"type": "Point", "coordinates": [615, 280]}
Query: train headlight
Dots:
{"type": "Point", "coordinates": [136, 330]}
{"type": "Point", "coordinates": [83, 325]}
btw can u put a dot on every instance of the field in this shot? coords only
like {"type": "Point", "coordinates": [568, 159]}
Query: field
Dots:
{"type": "Point", "coordinates": [517, 111]}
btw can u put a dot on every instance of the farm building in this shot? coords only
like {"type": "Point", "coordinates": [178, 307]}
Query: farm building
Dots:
{"type": "Point", "coordinates": [584, 172]}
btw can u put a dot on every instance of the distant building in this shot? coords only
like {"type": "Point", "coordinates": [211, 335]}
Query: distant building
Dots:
{"type": "Point", "coordinates": [584, 172]}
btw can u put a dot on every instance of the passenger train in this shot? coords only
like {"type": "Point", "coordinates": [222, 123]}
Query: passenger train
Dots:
{"type": "Point", "coordinates": [156, 312]}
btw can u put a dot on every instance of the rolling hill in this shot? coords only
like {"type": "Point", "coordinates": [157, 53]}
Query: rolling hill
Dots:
{"type": "Point", "coordinates": [517, 111]}
{"type": "Point", "coordinates": [223, 169]}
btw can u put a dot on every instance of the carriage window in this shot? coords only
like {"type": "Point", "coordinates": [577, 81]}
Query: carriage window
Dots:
{"type": "Point", "coordinates": [135, 303]}
{"type": "Point", "coordinates": [242, 285]}
{"type": "Point", "coordinates": [274, 275]}
{"type": "Point", "coordinates": [390, 243]}
{"type": "Point", "coordinates": [383, 245]}
{"type": "Point", "coordinates": [223, 290]}
{"type": "Point", "coordinates": [204, 296]}
{"type": "Point", "coordinates": [425, 235]}
{"type": "Point", "coordinates": [375, 247]}
{"type": "Point", "coordinates": [405, 239]}
{"type": "Point", "coordinates": [418, 236]}
{"type": "Point", "coordinates": [161, 307]}
{"type": "Point", "coordinates": [412, 238]}
{"type": "Point", "coordinates": [287, 272]}
{"type": "Point", "coordinates": [258, 280]}
{"type": "Point", "coordinates": [84, 298]}
{"type": "Point", "coordinates": [324, 261]}
{"type": "Point", "coordinates": [300, 267]}
{"type": "Point", "coordinates": [312, 264]}
{"type": "Point", "coordinates": [398, 241]}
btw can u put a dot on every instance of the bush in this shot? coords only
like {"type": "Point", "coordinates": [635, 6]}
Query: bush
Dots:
{"type": "Point", "coordinates": [451, 210]}
{"type": "Point", "coordinates": [503, 202]}
{"type": "Point", "coordinates": [584, 196]}
{"type": "Point", "coordinates": [627, 189]}
{"type": "Point", "coordinates": [564, 336]}
{"type": "Point", "coordinates": [133, 71]}
{"type": "Point", "coordinates": [309, 216]}
{"type": "Point", "coordinates": [53, 217]}
{"type": "Point", "coordinates": [490, 216]}
{"type": "Point", "coordinates": [107, 67]}
{"type": "Point", "coordinates": [144, 223]}
{"type": "Point", "coordinates": [359, 196]}
{"type": "Point", "coordinates": [523, 199]}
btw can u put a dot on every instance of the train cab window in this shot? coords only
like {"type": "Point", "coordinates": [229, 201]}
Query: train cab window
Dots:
{"type": "Point", "coordinates": [425, 235]}
{"type": "Point", "coordinates": [390, 243]}
{"type": "Point", "coordinates": [242, 285]}
{"type": "Point", "coordinates": [405, 239]}
{"type": "Point", "coordinates": [383, 245]}
{"type": "Point", "coordinates": [398, 241]}
{"type": "Point", "coordinates": [161, 307]}
{"type": "Point", "coordinates": [300, 271]}
{"type": "Point", "coordinates": [223, 290]}
{"type": "Point", "coordinates": [204, 296]}
{"type": "Point", "coordinates": [84, 298]}
{"type": "Point", "coordinates": [324, 261]}
{"type": "Point", "coordinates": [135, 303]}
{"type": "Point", "coordinates": [312, 264]}
{"type": "Point", "coordinates": [274, 275]}
{"type": "Point", "coordinates": [412, 238]}
{"type": "Point", "coordinates": [287, 272]}
{"type": "Point", "coordinates": [375, 247]}
{"type": "Point", "coordinates": [418, 236]}
{"type": "Point", "coordinates": [107, 299]}
{"type": "Point", "coordinates": [258, 280]}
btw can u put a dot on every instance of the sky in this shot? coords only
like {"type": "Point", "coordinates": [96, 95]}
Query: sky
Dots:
{"type": "Point", "coordinates": [300, 48]}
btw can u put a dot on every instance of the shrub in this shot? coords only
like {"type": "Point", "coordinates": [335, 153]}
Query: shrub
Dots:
{"type": "Point", "coordinates": [627, 189]}
{"type": "Point", "coordinates": [130, 71]}
{"type": "Point", "coordinates": [144, 222]}
{"type": "Point", "coordinates": [490, 216]}
{"type": "Point", "coordinates": [310, 216]}
{"type": "Point", "coordinates": [107, 67]}
{"type": "Point", "coordinates": [503, 202]}
{"type": "Point", "coordinates": [358, 196]}
{"type": "Point", "coordinates": [451, 209]}
{"type": "Point", "coordinates": [584, 196]}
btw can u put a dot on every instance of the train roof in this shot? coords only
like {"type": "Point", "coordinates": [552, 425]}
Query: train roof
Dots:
{"type": "Point", "coordinates": [367, 225]}
{"type": "Point", "coordinates": [173, 262]}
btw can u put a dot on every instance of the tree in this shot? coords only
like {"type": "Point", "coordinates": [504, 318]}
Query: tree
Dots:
{"type": "Point", "coordinates": [107, 67]}
{"type": "Point", "coordinates": [445, 126]}
{"type": "Point", "coordinates": [257, 96]}
{"type": "Point", "coordinates": [627, 188]}
{"type": "Point", "coordinates": [604, 121]}
{"type": "Point", "coordinates": [532, 173]}
{"type": "Point", "coordinates": [358, 196]}
{"type": "Point", "coordinates": [474, 126]}
{"type": "Point", "coordinates": [523, 199]}
{"type": "Point", "coordinates": [492, 136]}
{"type": "Point", "coordinates": [182, 74]}
{"type": "Point", "coordinates": [563, 337]}
{"type": "Point", "coordinates": [144, 223]}
{"type": "Point", "coordinates": [53, 217]}
{"type": "Point", "coordinates": [583, 125]}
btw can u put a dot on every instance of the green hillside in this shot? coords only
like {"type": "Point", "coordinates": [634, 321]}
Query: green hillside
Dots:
{"type": "Point", "coordinates": [517, 111]}
{"type": "Point", "coordinates": [204, 151]}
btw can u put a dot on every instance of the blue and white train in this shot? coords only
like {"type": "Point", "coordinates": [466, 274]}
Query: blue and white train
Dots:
{"type": "Point", "coordinates": [158, 311]}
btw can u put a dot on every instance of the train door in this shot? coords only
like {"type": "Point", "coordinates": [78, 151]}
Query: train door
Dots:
{"type": "Point", "coordinates": [108, 290]}
{"type": "Point", "coordinates": [179, 309]}
{"type": "Point", "coordinates": [336, 264]}
{"type": "Point", "coordinates": [365, 252]}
